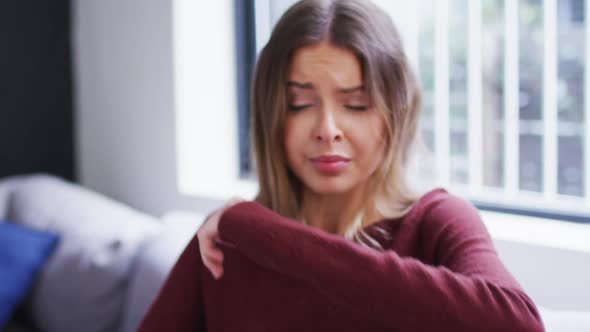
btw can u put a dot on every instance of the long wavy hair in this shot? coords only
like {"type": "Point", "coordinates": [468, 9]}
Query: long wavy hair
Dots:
{"type": "Point", "coordinates": [364, 29]}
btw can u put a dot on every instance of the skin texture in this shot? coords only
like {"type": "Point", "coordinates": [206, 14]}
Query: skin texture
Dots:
{"type": "Point", "coordinates": [337, 118]}
{"type": "Point", "coordinates": [329, 113]}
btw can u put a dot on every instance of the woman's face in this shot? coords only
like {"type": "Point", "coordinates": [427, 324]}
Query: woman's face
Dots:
{"type": "Point", "coordinates": [329, 114]}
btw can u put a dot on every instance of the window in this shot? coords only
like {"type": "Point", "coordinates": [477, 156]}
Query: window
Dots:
{"type": "Point", "coordinates": [206, 77]}
{"type": "Point", "coordinates": [504, 92]}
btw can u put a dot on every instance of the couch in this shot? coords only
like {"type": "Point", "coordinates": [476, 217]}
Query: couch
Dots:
{"type": "Point", "coordinates": [109, 264]}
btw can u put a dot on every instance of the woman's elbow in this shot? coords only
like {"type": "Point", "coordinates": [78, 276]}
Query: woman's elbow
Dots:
{"type": "Point", "coordinates": [529, 321]}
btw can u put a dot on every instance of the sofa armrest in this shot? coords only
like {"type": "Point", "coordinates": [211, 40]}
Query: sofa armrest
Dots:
{"type": "Point", "coordinates": [154, 263]}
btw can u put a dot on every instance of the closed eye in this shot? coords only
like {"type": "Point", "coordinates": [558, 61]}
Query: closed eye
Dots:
{"type": "Point", "coordinates": [298, 107]}
{"type": "Point", "coordinates": [356, 108]}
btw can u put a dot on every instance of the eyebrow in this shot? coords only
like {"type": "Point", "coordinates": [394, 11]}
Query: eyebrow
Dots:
{"type": "Point", "coordinates": [353, 89]}
{"type": "Point", "coordinates": [309, 86]}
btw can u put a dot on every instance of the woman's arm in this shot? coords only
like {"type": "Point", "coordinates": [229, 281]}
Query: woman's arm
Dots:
{"type": "Point", "coordinates": [179, 304]}
{"type": "Point", "coordinates": [469, 291]}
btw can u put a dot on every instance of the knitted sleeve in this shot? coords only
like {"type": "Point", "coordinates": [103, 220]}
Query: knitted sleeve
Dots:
{"type": "Point", "coordinates": [468, 290]}
{"type": "Point", "coordinates": [179, 304]}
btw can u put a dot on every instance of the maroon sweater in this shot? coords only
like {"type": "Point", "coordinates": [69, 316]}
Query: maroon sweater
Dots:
{"type": "Point", "coordinates": [440, 272]}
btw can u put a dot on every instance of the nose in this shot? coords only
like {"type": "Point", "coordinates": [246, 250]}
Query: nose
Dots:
{"type": "Point", "coordinates": [327, 128]}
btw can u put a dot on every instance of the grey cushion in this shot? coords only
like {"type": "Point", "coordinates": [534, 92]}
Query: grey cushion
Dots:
{"type": "Point", "coordinates": [83, 286]}
{"type": "Point", "coordinates": [154, 264]}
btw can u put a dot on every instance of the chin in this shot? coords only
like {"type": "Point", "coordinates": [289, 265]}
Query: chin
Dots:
{"type": "Point", "coordinates": [326, 186]}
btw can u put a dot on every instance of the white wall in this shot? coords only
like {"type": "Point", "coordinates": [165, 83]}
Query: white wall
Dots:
{"type": "Point", "coordinates": [554, 278]}
{"type": "Point", "coordinates": [126, 134]}
{"type": "Point", "coordinates": [125, 103]}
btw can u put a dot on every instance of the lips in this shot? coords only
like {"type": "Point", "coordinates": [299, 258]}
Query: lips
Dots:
{"type": "Point", "coordinates": [330, 164]}
{"type": "Point", "coordinates": [330, 158]}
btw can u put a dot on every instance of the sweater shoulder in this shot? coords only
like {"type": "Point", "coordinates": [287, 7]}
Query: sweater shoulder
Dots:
{"type": "Point", "coordinates": [442, 223]}
{"type": "Point", "coordinates": [438, 207]}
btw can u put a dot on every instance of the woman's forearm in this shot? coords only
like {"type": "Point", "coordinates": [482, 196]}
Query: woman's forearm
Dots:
{"type": "Point", "coordinates": [397, 292]}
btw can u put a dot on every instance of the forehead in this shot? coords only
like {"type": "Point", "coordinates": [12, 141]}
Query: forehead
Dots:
{"type": "Point", "coordinates": [325, 62]}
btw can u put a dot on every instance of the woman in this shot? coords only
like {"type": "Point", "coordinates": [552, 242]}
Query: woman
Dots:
{"type": "Point", "coordinates": [336, 238]}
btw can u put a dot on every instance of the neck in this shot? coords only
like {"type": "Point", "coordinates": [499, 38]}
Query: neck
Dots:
{"type": "Point", "coordinates": [333, 213]}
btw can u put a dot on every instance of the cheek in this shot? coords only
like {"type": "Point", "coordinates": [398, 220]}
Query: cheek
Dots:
{"type": "Point", "coordinates": [291, 141]}
{"type": "Point", "coordinates": [371, 148]}
{"type": "Point", "coordinates": [373, 154]}
{"type": "Point", "coordinates": [371, 138]}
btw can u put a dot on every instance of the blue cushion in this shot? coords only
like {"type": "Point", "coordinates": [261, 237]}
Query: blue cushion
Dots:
{"type": "Point", "coordinates": [23, 252]}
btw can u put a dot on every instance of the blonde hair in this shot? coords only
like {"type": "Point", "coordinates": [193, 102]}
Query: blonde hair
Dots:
{"type": "Point", "coordinates": [364, 29]}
